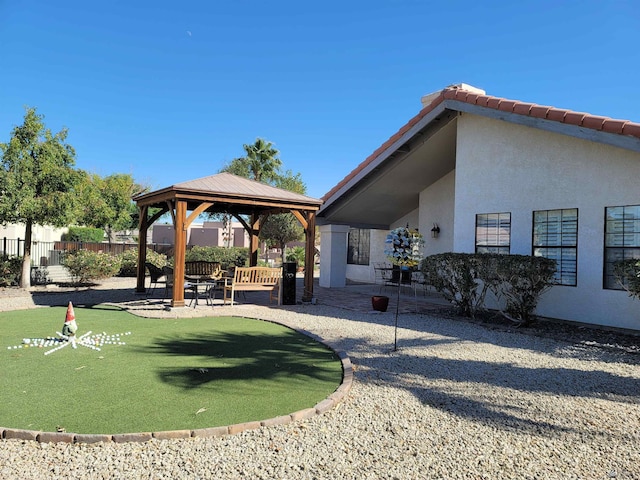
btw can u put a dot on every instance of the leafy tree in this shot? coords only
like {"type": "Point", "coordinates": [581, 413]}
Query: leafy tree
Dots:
{"type": "Point", "coordinates": [37, 181]}
{"type": "Point", "coordinates": [291, 182]}
{"type": "Point", "coordinates": [107, 202]}
{"type": "Point", "coordinates": [238, 166]}
{"type": "Point", "coordinates": [282, 228]}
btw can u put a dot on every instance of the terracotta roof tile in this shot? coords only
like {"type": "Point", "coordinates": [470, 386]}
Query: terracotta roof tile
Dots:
{"type": "Point", "coordinates": [482, 100]}
{"type": "Point", "coordinates": [507, 105]}
{"type": "Point", "coordinates": [449, 94]}
{"type": "Point", "coordinates": [493, 102]}
{"type": "Point", "coordinates": [595, 122]}
{"type": "Point", "coordinates": [614, 126]}
{"type": "Point", "coordinates": [556, 114]}
{"type": "Point", "coordinates": [539, 111]}
{"type": "Point", "coordinates": [574, 118]}
{"type": "Point", "coordinates": [522, 108]}
{"type": "Point", "coordinates": [472, 98]}
{"type": "Point", "coordinates": [632, 129]}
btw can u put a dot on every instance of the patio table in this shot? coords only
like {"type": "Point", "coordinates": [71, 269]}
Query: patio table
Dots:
{"type": "Point", "coordinates": [200, 287]}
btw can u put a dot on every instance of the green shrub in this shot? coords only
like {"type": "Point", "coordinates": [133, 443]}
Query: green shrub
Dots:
{"type": "Point", "coordinates": [84, 266]}
{"type": "Point", "coordinates": [227, 257]}
{"type": "Point", "coordinates": [519, 280]}
{"type": "Point", "coordinates": [129, 261]}
{"type": "Point", "coordinates": [10, 270]}
{"type": "Point", "coordinates": [459, 278]}
{"type": "Point", "coordinates": [84, 234]}
{"type": "Point", "coordinates": [627, 274]}
{"type": "Point", "coordinates": [296, 254]}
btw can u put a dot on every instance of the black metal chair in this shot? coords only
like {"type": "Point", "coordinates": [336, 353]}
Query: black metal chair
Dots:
{"type": "Point", "coordinates": [155, 273]}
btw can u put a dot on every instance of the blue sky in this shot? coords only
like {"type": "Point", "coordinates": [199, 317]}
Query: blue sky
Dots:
{"type": "Point", "coordinates": [170, 91]}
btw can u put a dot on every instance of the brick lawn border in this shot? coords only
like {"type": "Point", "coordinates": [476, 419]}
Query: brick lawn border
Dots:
{"type": "Point", "coordinates": [325, 405]}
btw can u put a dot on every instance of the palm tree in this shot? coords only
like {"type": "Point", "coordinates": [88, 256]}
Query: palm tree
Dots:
{"type": "Point", "coordinates": [262, 160]}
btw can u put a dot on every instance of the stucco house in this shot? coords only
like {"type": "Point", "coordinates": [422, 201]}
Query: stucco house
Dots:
{"type": "Point", "coordinates": [499, 175]}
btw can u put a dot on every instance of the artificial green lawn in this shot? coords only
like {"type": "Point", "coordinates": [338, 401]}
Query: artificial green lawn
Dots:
{"type": "Point", "coordinates": [171, 374]}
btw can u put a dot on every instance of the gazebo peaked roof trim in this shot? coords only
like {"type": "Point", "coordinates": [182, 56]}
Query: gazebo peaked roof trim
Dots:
{"type": "Point", "coordinates": [223, 193]}
{"type": "Point", "coordinates": [228, 188]}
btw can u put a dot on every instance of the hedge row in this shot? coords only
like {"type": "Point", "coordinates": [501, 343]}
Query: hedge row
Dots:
{"type": "Point", "coordinates": [517, 281]}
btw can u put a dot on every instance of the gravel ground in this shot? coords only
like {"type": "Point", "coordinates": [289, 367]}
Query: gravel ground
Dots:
{"type": "Point", "coordinates": [458, 400]}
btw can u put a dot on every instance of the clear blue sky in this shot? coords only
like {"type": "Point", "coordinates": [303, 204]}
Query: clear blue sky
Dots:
{"type": "Point", "coordinates": [170, 91]}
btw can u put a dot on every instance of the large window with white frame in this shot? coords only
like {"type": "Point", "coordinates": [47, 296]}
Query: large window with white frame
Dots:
{"type": "Point", "coordinates": [493, 233]}
{"type": "Point", "coordinates": [621, 239]}
{"type": "Point", "coordinates": [358, 246]}
{"type": "Point", "coordinates": [555, 236]}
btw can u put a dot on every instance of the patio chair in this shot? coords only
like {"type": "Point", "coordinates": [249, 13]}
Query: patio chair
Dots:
{"type": "Point", "coordinates": [155, 274]}
{"type": "Point", "coordinates": [383, 275]}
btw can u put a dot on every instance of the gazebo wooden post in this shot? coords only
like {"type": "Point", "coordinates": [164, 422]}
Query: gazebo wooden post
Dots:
{"type": "Point", "coordinates": [180, 244]}
{"type": "Point", "coordinates": [309, 256]}
{"type": "Point", "coordinates": [255, 240]}
{"type": "Point", "coordinates": [142, 249]}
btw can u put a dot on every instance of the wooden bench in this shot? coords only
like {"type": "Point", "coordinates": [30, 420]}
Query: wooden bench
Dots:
{"type": "Point", "coordinates": [202, 270]}
{"type": "Point", "coordinates": [253, 279]}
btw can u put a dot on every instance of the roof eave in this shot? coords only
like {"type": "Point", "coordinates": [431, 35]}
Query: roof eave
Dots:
{"type": "Point", "coordinates": [426, 116]}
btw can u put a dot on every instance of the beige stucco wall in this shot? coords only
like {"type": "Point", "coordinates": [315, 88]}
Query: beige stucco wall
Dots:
{"type": "Point", "coordinates": [205, 234]}
{"type": "Point", "coordinates": [365, 273]}
{"type": "Point", "coordinates": [503, 167]}
{"type": "Point", "coordinates": [39, 233]}
{"type": "Point", "coordinates": [437, 206]}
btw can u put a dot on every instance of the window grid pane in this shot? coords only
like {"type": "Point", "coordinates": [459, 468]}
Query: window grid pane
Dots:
{"type": "Point", "coordinates": [622, 239]}
{"type": "Point", "coordinates": [555, 236]}
{"type": "Point", "coordinates": [493, 233]}
{"type": "Point", "coordinates": [358, 246]}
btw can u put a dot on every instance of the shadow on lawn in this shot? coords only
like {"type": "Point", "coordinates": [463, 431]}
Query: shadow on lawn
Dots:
{"type": "Point", "coordinates": [233, 356]}
{"type": "Point", "coordinates": [83, 297]}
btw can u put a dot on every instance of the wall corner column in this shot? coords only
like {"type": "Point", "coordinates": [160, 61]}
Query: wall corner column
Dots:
{"type": "Point", "coordinates": [333, 255]}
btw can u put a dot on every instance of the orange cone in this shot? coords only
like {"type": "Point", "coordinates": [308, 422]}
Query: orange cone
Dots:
{"type": "Point", "coordinates": [71, 316]}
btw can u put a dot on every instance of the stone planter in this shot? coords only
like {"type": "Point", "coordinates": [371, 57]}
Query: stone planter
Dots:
{"type": "Point", "coordinates": [380, 303]}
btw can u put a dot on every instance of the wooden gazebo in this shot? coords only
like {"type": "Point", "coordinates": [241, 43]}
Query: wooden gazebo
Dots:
{"type": "Point", "coordinates": [248, 201]}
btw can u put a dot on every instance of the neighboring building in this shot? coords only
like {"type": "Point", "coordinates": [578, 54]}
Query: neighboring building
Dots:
{"type": "Point", "coordinates": [207, 234]}
{"type": "Point", "coordinates": [499, 175]}
{"type": "Point", "coordinates": [39, 233]}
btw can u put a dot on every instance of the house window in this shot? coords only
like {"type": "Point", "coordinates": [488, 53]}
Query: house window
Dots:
{"type": "Point", "coordinates": [493, 233]}
{"type": "Point", "coordinates": [621, 239]}
{"type": "Point", "coordinates": [358, 247]}
{"type": "Point", "coordinates": [555, 236]}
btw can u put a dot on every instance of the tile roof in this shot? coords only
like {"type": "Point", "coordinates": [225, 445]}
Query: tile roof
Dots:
{"type": "Point", "coordinates": [477, 97]}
